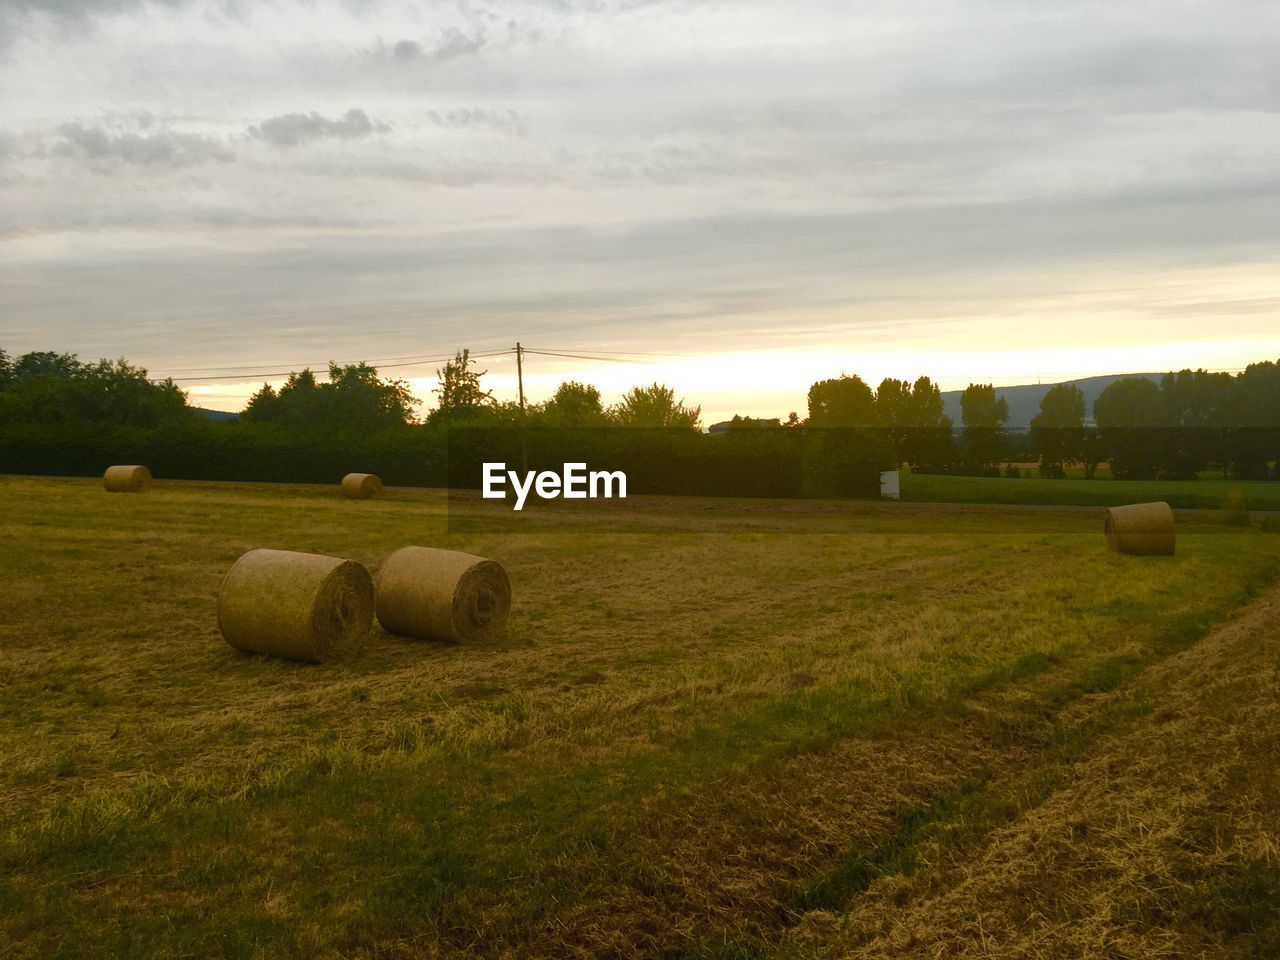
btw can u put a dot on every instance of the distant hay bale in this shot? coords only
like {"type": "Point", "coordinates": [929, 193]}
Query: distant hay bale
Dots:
{"type": "Point", "coordinates": [1141, 529]}
{"type": "Point", "coordinates": [126, 479]}
{"type": "Point", "coordinates": [442, 595]}
{"type": "Point", "coordinates": [361, 486]}
{"type": "Point", "coordinates": [297, 605]}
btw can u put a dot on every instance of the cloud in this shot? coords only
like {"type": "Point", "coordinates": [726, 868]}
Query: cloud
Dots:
{"type": "Point", "coordinates": [74, 8]}
{"type": "Point", "coordinates": [506, 121]}
{"type": "Point", "coordinates": [163, 148]}
{"type": "Point", "coordinates": [579, 159]}
{"type": "Point", "coordinates": [455, 43]}
{"type": "Point", "coordinates": [292, 129]}
{"type": "Point", "coordinates": [452, 43]}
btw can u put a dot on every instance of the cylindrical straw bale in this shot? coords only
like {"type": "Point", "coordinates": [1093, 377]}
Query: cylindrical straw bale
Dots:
{"type": "Point", "coordinates": [297, 605]}
{"type": "Point", "coordinates": [1141, 529]}
{"type": "Point", "coordinates": [442, 595]}
{"type": "Point", "coordinates": [361, 486]}
{"type": "Point", "coordinates": [126, 479]}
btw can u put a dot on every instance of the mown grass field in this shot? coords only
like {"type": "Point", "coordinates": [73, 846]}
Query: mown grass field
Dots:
{"type": "Point", "coordinates": [713, 729]}
{"type": "Point", "coordinates": [1203, 494]}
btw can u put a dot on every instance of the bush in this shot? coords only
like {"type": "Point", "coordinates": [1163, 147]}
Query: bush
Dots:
{"type": "Point", "coordinates": [672, 461]}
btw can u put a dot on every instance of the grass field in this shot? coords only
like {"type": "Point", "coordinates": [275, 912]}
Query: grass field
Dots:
{"type": "Point", "coordinates": [1193, 494]}
{"type": "Point", "coordinates": [713, 729]}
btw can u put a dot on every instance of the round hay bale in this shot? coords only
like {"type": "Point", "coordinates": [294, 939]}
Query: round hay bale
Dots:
{"type": "Point", "coordinates": [361, 486]}
{"type": "Point", "coordinates": [126, 479]}
{"type": "Point", "coordinates": [442, 595]}
{"type": "Point", "coordinates": [297, 605]}
{"type": "Point", "coordinates": [1141, 529]}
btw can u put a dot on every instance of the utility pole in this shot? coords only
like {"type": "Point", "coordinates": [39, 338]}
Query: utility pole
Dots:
{"type": "Point", "coordinates": [524, 421]}
{"type": "Point", "coordinates": [520, 374]}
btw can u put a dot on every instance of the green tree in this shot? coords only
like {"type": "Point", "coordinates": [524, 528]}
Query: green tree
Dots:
{"type": "Point", "coordinates": [984, 415]}
{"type": "Point", "coordinates": [297, 405]}
{"type": "Point", "coordinates": [740, 423]}
{"type": "Point", "coordinates": [655, 406]}
{"type": "Point", "coordinates": [461, 396]}
{"type": "Point", "coordinates": [845, 401]}
{"type": "Point", "coordinates": [38, 363]}
{"type": "Point", "coordinates": [574, 404]}
{"type": "Point", "coordinates": [49, 388]}
{"type": "Point", "coordinates": [118, 392]}
{"type": "Point", "coordinates": [362, 401]}
{"type": "Point", "coordinates": [354, 398]}
{"type": "Point", "coordinates": [845, 446]}
{"type": "Point", "coordinates": [1200, 411]}
{"type": "Point", "coordinates": [929, 442]}
{"type": "Point", "coordinates": [1257, 438]}
{"type": "Point", "coordinates": [1057, 431]}
{"type": "Point", "coordinates": [894, 414]}
{"type": "Point", "coordinates": [263, 406]}
{"type": "Point", "coordinates": [1129, 413]}
{"type": "Point", "coordinates": [7, 375]}
{"type": "Point", "coordinates": [913, 417]}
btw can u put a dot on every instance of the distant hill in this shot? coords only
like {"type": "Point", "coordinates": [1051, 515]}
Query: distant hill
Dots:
{"type": "Point", "coordinates": [1024, 400]}
{"type": "Point", "coordinates": [215, 414]}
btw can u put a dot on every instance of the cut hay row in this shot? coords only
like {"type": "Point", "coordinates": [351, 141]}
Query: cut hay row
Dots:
{"type": "Point", "coordinates": [312, 607]}
{"type": "Point", "coordinates": [299, 605]}
{"type": "Point", "coordinates": [688, 738]}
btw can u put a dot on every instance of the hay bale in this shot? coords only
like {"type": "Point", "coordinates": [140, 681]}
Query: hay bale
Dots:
{"type": "Point", "coordinates": [361, 486]}
{"type": "Point", "coordinates": [442, 595]}
{"type": "Point", "coordinates": [126, 479]}
{"type": "Point", "coordinates": [1141, 529]}
{"type": "Point", "coordinates": [297, 605]}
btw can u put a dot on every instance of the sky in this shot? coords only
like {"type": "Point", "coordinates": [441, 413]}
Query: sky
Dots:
{"type": "Point", "coordinates": [735, 198]}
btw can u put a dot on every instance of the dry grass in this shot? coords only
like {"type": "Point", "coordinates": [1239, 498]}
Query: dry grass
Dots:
{"type": "Point", "coordinates": [698, 710]}
{"type": "Point", "coordinates": [1162, 841]}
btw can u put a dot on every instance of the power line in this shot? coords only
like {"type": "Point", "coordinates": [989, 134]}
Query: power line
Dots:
{"type": "Point", "coordinates": [417, 357]}
{"type": "Point", "coordinates": [612, 353]}
{"type": "Point", "coordinates": [602, 356]}
{"type": "Point", "coordinates": [580, 356]}
{"type": "Point", "coordinates": [416, 363]}
{"type": "Point", "coordinates": [235, 371]}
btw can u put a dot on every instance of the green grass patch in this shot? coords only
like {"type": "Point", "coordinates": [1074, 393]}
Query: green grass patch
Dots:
{"type": "Point", "coordinates": [1229, 496]}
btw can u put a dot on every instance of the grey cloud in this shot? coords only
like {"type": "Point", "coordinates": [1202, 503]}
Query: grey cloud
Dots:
{"type": "Point", "coordinates": [76, 8]}
{"type": "Point", "coordinates": [779, 262]}
{"type": "Point", "coordinates": [165, 148]}
{"type": "Point", "coordinates": [507, 121]}
{"type": "Point", "coordinates": [451, 44]}
{"type": "Point", "coordinates": [993, 127]}
{"type": "Point", "coordinates": [85, 9]}
{"type": "Point", "coordinates": [407, 50]}
{"type": "Point", "coordinates": [292, 129]}
{"type": "Point", "coordinates": [454, 43]}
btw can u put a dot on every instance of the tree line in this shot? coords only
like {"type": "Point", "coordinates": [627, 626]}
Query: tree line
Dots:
{"type": "Point", "coordinates": [1188, 422]}
{"type": "Point", "coordinates": [61, 415]}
